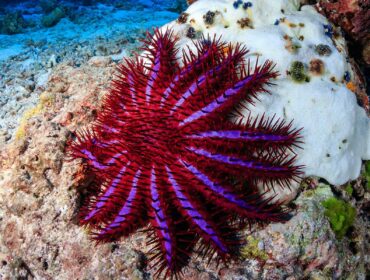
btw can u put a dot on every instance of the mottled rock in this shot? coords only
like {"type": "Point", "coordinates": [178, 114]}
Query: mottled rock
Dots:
{"type": "Point", "coordinates": [100, 61]}
{"type": "Point", "coordinates": [53, 17]}
{"type": "Point", "coordinates": [353, 16]}
{"type": "Point", "coordinates": [48, 5]}
{"type": "Point", "coordinates": [12, 23]}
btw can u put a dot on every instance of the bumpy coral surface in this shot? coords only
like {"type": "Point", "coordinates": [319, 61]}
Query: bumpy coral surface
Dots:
{"type": "Point", "coordinates": [163, 151]}
{"type": "Point", "coordinates": [317, 82]}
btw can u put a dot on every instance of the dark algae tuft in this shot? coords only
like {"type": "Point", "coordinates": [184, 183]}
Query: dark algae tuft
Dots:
{"type": "Point", "coordinates": [191, 33]}
{"type": "Point", "coordinates": [209, 17]}
{"type": "Point", "coordinates": [298, 72]}
{"type": "Point", "coordinates": [183, 18]}
{"type": "Point", "coordinates": [323, 50]}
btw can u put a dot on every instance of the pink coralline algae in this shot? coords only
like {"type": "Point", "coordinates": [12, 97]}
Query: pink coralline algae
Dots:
{"type": "Point", "coordinates": [164, 156]}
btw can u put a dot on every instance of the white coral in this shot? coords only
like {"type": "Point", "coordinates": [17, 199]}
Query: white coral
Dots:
{"type": "Point", "coordinates": [336, 130]}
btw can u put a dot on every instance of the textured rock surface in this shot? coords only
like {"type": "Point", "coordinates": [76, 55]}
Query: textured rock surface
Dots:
{"type": "Point", "coordinates": [39, 200]}
{"type": "Point", "coordinates": [352, 15]}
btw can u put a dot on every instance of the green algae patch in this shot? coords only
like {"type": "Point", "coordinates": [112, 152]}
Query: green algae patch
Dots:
{"type": "Point", "coordinates": [340, 214]}
{"type": "Point", "coordinates": [349, 189]}
{"type": "Point", "coordinates": [252, 250]}
{"type": "Point", "coordinates": [367, 175]}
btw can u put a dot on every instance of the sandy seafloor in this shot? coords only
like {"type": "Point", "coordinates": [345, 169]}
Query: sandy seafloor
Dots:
{"type": "Point", "coordinates": [27, 59]}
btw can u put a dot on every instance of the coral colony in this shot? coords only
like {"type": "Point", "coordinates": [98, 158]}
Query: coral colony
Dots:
{"type": "Point", "coordinates": [164, 155]}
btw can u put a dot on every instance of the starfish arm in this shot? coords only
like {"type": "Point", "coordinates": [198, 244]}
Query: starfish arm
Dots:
{"type": "Point", "coordinates": [247, 204]}
{"type": "Point", "coordinates": [104, 202]}
{"type": "Point", "coordinates": [121, 206]}
{"type": "Point", "coordinates": [127, 88]}
{"type": "Point", "coordinates": [171, 235]}
{"type": "Point", "coordinates": [197, 217]}
{"type": "Point", "coordinates": [221, 97]}
{"type": "Point", "coordinates": [216, 75]}
{"type": "Point", "coordinates": [161, 52]}
{"type": "Point", "coordinates": [163, 237]}
{"type": "Point", "coordinates": [254, 135]}
{"type": "Point", "coordinates": [194, 76]}
{"type": "Point", "coordinates": [267, 169]}
{"type": "Point", "coordinates": [97, 155]}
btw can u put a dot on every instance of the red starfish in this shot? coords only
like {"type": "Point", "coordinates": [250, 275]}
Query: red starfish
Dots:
{"type": "Point", "coordinates": [163, 152]}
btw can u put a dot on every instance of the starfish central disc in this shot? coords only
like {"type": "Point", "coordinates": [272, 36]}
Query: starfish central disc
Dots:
{"type": "Point", "coordinates": [152, 139]}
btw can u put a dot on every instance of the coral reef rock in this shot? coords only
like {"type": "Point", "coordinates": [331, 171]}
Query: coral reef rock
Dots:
{"type": "Point", "coordinates": [352, 15]}
{"type": "Point", "coordinates": [12, 23]}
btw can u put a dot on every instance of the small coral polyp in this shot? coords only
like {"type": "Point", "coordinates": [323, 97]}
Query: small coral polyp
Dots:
{"type": "Point", "coordinates": [164, 154]}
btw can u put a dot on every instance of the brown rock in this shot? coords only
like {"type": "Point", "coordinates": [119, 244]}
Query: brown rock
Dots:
{"type": "Point", "coordinates": [100, 61]}
{"type": "Point", "coordinates": [352, 15]}
{"type": "Point", "coordinates": [191, 1]}
{"type": "Point", "coordinates": [366, 52]}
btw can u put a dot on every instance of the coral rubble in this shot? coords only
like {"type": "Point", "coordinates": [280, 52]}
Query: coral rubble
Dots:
{"type": "Point", "coordinates": [53, 17]}
{"type": "Point", "coordinates": [12, 23]}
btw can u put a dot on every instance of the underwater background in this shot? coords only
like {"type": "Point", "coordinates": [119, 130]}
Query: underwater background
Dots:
{"type": "Point", "coordinates": [35, 36]}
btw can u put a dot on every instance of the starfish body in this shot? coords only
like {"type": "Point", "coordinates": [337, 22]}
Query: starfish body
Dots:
{"type": "Point", "coordinates": [164, 155]}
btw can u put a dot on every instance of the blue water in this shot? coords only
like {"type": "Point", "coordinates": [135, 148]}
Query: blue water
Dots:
{"type": "Point", "coordinates": [36, 37]}
{"type": "Point", "coordinates": [59, 23]}
{"type": "Point", "coordinates": [17, 16]}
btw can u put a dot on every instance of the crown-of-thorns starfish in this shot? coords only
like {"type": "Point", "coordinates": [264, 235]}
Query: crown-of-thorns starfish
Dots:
{"type": "Point", "coordinates": [164, 155]}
